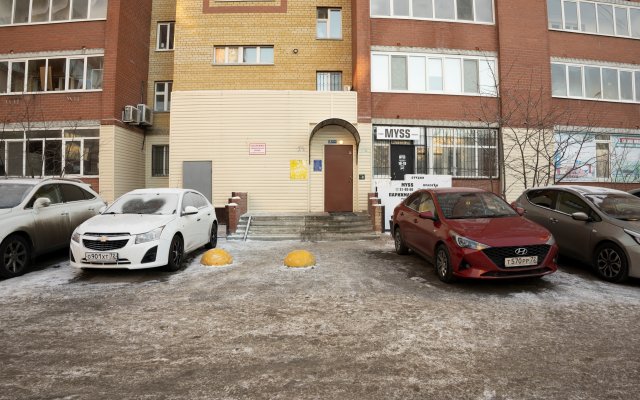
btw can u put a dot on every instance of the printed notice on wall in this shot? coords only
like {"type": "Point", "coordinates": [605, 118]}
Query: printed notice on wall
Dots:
{"type": "Point", "coordinates": [257, 149]}
{"type": "Point", "coordinates": [391, 193]}
{"type": "Point", "coordinates": [298, 170]}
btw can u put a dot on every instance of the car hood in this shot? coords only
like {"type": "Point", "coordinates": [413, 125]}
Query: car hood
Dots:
{"type": "Point", "coordinates": [501, 232]}
{"type": "Point", "coordinates": [124, 223]}
{"type": "Point", "coordinates": [631, 225]}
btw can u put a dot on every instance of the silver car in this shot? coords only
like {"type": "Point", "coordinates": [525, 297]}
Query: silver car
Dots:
{"type": "Point", "coordinates": [596, 225]}
{"type": "Point", "coordinates": [39, 215]}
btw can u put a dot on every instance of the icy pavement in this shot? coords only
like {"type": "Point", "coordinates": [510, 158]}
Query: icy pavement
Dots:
{"type": "Point", "coordinates": [365, 323]}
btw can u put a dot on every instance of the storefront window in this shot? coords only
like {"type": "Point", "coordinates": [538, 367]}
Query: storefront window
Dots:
{"type": "Point", "coordinates": [465, 153]}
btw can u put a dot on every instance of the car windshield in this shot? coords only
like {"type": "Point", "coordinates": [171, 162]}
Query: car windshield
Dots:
{"type": "Point", "coordinates": [617, 205]}
{"type": "Point", "coordinates": [12, 194]}
{"type": "Point", "coordinates": [473, 205]}
{"type": "Point", "coordinates": [145, 203]}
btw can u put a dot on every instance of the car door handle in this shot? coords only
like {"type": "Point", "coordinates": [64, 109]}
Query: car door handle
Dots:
{"type": "Point", "coordinates": [402, 214]}
{"type": "Point", "coordinates": [91, 209]}
{"type": "Point", "coordinates": [64, 213]}
{"type": "Point", "coordinates": [415, 221]}
{"type": "Point", "coordinates": [198, 219]}
{"type": "Point", "coordinates": [553, 220]}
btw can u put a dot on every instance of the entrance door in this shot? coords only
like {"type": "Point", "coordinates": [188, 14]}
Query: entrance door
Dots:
{"type": "Point", "coordinates": [402, 161]}
{"type": "Point", "coordinates": [338, 178]}
{"type": "Point", "coordinates": [196, 175]}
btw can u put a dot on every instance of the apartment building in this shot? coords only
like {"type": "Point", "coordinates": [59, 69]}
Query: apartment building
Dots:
{"type": "Point", "coordinates": [67, 70]}
{"type": "Point", "coordinates": [439, 79]}
{"type": "Point", "coordinates": [260, 102]}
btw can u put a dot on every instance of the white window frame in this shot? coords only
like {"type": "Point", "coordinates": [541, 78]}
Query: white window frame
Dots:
{"type": "Point", "coordinates": [66, 85]}
{"type": "Point", "coordinates": [50, 21]}
{"type": "Point", "coordinates": [329, 24]}
{"type": "Point", "coordinates": [613, 5]}
{"type": "Point", "coordinates": [170, 31]}
{"type": "Point", "coordinates": [63, 140]}
{"type": "Point", "coordinates": [165, 161]}
{"type": "Point", "coordinates": [166, 93]}
{"type": "Point", "coordinates": [455, 19]}
{"type": "Point", "coordinates": [584, 84]}
{"type": "Point", "coordinates": [241, 55]}
{"type": "Point", "coordinates": [442, 57]}
{"type": "Point", "coordinates": [330, 74]}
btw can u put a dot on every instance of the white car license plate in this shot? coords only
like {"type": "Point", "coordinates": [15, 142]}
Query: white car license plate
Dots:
{"type": "Point", "coordinates": [520, 261]}
{"type": "Point", "coordinates": [101, 257]}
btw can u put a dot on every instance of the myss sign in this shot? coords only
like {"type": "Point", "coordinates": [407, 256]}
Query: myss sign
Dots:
{"type": "Point", "coordinates": [397, 133]}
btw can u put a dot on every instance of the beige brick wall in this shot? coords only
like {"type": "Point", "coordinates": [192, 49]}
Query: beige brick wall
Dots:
{"type": "Point", "coordinates": [197, 33]}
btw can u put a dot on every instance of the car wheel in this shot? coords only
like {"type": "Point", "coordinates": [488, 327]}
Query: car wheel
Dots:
{"type": "Point", "coordinates": [610, 263]}
{"type": "Point", "coordinates": [213, 238]}
{"type": "Point", "coordinates": [14, 256]}
{"type": "Point", "coordinates": [443, 265]}
{"type": "Point", "coordinates": [401, 247]}
{"type": "Point", "coordinates": [176, 254]}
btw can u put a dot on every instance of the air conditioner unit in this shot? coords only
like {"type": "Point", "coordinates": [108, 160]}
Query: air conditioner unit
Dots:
{"type": "Point", "coordinates": [131, 115]}
{"type": "Point", "coordinates": [146, 115]}
{"type": "Point", "coordinates": [346, 88]}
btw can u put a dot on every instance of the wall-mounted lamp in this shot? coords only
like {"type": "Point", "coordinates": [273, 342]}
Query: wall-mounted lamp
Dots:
{"type": "Point", "coordinates": [295, 51]}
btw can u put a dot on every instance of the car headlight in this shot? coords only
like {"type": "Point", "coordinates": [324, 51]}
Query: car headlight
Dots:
{"type": "Point", "coordinates": [634, 235]}
{"type": "Point", "coordinates": [468, 243]}
{"type": "Point", "coordinates": [149, 236]}
{"type": "Point", "coordinates": [551, 240]}
{"type": "Point", "coordinates": [75, 237]}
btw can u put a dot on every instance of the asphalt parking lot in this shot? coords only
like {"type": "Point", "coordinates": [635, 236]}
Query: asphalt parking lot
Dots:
{"type": "Point", "coordinates": [364, 324]}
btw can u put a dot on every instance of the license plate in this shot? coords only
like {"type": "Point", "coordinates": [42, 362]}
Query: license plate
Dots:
{"type": "Point", "coordinates": [520, 261]}
{"type": "Point", "coordinates": [101, 257]}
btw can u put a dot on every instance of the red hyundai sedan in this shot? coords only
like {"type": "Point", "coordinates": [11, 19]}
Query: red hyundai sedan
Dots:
{"type": "Point", "coordinates": [472, 233]}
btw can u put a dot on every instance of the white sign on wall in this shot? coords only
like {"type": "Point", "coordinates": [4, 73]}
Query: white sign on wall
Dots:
{"type": "Point", "coordinates": [391, 193]}
{"type": "Point", "coordinates": [397, 133]}
{"type": "Point", "coordinates": [257, 149]}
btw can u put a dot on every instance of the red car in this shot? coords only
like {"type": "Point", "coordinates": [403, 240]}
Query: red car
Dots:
{"type": "Point", "coordinates": [472, 233]}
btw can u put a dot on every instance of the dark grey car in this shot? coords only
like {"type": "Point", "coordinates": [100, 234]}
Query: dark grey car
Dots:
{"type": "Point", "coordinates": [596, 225]}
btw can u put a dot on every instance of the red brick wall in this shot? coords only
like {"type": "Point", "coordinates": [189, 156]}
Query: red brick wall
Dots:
{"type": "Point", "coordinates": [126, 56]}
{"type": "Point", "coordinates": [431, 34]}
{"type": "Point", "coordinates": [431, 106]}
{"type": "Point", "coordinates": [52, 37]}
{"type": "Point", "coordinates": [361, 42]}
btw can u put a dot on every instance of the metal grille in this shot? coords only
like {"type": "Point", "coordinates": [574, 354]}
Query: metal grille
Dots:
{"type": "Point", "coordinates": [104, 246]}
{"type": "Point", "coordinates": [464, 153]}
{"type": "Point", "coordinates": [498, 254]}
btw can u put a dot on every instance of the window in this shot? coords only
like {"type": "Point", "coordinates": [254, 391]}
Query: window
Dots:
{"type": "Point", "coordinates": [50, 192]}
{"type": "Point", "coordinates": [594, 82]}
{"type": "Point", "coordinates": [51, 74]}
{"type": "Point", "coordinates": [470, 153]}
{"type": "Point", "coordinates": [243, 55]}
{"type": "Point", "coordinates": [194, 200]}
{"type": "Point", "coordinates": [165, 36]}
{"type": "Point", "coordinates": [569, 203]}
{"type": "Point", "coordinates": [45, 152]}
{"type": "Point", "coordinates": [47, 11]}
{"type": "Point", "coordinates": [329, 23]}
{"type": "Point", "coordinates": [328, 81]}
{"type": "Point", "coordinates": [426, 73]}
{"type": "Point", "coordinates": [163, 96]}
{"type": "Point", "coordinates": [593, 17]}
{"type": "Point", "coordinates": [160, 160]}
{"type": "Point", "coordinates": [479, 11]}
{"type": "Point", "coordinates": [71, 193]}
{"type": "Point", "coordinates": [543, 198]}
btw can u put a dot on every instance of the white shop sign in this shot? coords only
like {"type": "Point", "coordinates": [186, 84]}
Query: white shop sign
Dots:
{"type": "Point", "coordinates": [397, 133]}
{"type": "Point", "coordinates": [392, 193]}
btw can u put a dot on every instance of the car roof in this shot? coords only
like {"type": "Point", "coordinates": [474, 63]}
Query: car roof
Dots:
{"type": "Point", "coordinates": [582, 189]}
{"type": "Point", "coordinates": [457, 190]}
{"type": "Point", "coordinates": [36, 181]}
{"type": "Point", "coordinates": [160, 190]}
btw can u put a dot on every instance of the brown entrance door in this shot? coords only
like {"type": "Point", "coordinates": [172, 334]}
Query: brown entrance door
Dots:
{"type": "Point", "coordinates": [338, 178]}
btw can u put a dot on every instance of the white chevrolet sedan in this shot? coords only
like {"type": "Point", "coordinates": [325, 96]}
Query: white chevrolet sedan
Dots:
{"type": "Point", "coordinates": [146, 228]}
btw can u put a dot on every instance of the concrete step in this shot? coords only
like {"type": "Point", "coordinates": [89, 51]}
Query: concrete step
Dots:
{"type": "Point", "coordinates": [306, 238]}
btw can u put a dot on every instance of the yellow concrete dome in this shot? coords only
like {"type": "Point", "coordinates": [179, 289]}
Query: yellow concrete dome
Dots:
{"type": "Point", "coordinates": [216, 258]}
{"type": "Point", "coordinates": [299, 259]}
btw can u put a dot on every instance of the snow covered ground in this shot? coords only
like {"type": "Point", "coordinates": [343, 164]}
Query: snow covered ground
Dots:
{"type": "Point", "coordinates": [365, 323]}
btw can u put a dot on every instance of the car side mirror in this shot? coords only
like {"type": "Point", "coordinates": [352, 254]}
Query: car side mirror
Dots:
{"type": "Point", "coordinates": [427, 215]}
{"type": "Point", "coordinates": [580, 216]}
{"type": "Point", "coordinates": [190, 210]}
{"type": "Point", "coordinates": [102, 209]}
{"type": "Point", "coordinates": [521, 211]}
{"type": "Point", "coordinates": [42, 202]}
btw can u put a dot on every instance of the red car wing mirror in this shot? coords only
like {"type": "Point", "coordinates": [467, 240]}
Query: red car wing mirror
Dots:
{"type": "Point", "coordinates": [427, 215]}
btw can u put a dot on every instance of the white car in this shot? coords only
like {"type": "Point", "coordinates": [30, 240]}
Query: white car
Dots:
{"type": "Point", "coordinates": [38, 216]}
{"type": "Point", "coordinates": [146, 228]}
